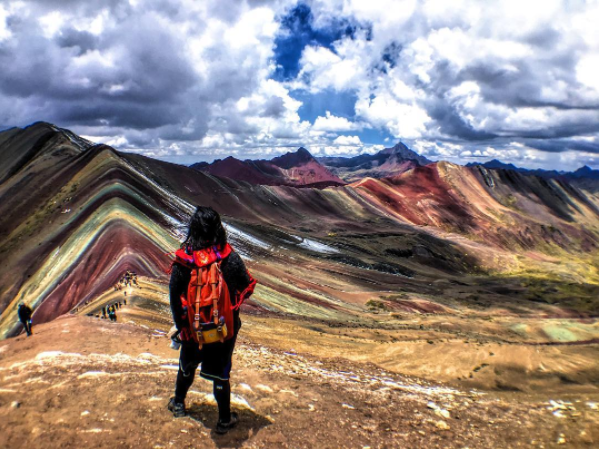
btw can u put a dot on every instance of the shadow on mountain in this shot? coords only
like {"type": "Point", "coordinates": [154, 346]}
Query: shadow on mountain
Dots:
{"type": "Point", "coordinates": [248, 426]}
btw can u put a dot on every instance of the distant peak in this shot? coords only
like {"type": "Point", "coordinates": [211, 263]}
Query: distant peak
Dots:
{"type": "Point", "coordinates": [289, 160]}
{"type": "Point", "coordinates": [396, 149]}
{"type": "Point", "coordinates": [585, 172]}
{"type": "Point", "coordinates": [403, 152]}
{"type": "Point", "coordinates": [399, 147]}
{"type": "Point", "coordinates": [301, 154]}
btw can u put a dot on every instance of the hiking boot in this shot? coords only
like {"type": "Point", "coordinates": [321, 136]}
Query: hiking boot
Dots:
{"type": "Point", "coordinates": [224, 427]}
{"type": "Point", "coordinates": [177, 408]}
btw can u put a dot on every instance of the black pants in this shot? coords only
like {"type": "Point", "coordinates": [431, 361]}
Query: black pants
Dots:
{"type": "Point", "coordinates": [27, 326]}
{"type": "Point", "coordinates": [216, 366]}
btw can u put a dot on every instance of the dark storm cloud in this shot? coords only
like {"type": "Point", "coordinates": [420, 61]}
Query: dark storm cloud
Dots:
{"type": "Point", "coordinates": [150, 64]}
{"type": "Point", "coordinates": [149, 72]}
{"type": "Point", "coordinates": [82, 40]}
{"type": "Point", "coordinates": [132, 75]}
{"type": "Point", "coordinates": [524, 85]}
{"type": "Point", "coordinates": [119, 113]}
{"type": "Point", "coordinates": [560, 145]}
{"type": "Point", "coordinates": [452, 124]}
{"type": "Point", "coordinates": [576, 127]}
{"type": "Point", "coordinates": [521, 84]}
{"type": "Point", "coordinates": [543, 38]}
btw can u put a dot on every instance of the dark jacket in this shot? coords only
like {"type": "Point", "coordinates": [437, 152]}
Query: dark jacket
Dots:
{"type": "Point", "coordinates": [234, 272]}
{"type": "Point", "coordinates": [24, 313]}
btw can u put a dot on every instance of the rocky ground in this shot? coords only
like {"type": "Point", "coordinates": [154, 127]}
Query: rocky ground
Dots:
{"type": "Point", "coordinates": [81, 381]}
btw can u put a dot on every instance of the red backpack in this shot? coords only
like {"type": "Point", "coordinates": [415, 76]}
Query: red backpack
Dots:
{"type": "Point", "coordinates": [209, 309]}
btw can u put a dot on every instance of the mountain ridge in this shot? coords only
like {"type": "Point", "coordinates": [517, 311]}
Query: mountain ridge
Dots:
{"type": "Point", "coordinates": [385, 163]}
{"type": "Point", "coordinates": [324, 171]}
{"type": "Point", "coordinates": [84, 193]}
{"type": "Point", "coordinates": [582, 172]}
{"type": "Point", "coordinates": [298, 169]}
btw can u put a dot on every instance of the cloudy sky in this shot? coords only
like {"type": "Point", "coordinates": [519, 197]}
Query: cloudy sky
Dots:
{"type": "Point", "coordinates": [192, 80]}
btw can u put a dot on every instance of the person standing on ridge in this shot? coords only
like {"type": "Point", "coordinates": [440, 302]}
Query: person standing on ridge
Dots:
{"type": "Point", "coordinates": [25, 314]}
{"type": "Point", "coordinates": [209, 282]}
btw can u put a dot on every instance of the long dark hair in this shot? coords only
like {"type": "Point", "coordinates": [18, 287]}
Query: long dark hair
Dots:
{"type": "Point", "coordinates": [205, 230]}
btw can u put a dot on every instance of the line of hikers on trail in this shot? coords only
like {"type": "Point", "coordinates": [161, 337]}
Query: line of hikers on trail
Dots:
{"type": "Point", "coordinates": [111, 310]}
{"type": "Point", "coordinates": [108, 311]}
{"type": "Point", "coordinates": [129, 279]}
{"type": "Point", "coordinates": [24, 312]}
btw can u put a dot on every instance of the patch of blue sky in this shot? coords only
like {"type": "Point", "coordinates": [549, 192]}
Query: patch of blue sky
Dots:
{"type": "Point", "coordinates": [298, 32]}
{"type": "Point", "coordinates": [340, 104]}
{"type": "Point", "coordinates": [374, 136]}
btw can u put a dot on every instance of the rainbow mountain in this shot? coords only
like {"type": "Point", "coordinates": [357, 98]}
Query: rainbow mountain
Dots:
{"type": "Point", "coordinates": [75, 216]}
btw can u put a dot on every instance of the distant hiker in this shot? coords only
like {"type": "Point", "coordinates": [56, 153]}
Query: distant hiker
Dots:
{"type": "Point", "coordinates": [125, 302]}
{"type": "Point", "coordinates": [25, 312]}
{"type": "Point", "coordinates": [206, 253]}
{"type": "Point", "coordinates": [128, 278]}
{"type": "Point", "coordinates": [104, 312]}
{"type": "Point", "coordinates": [112, 314]}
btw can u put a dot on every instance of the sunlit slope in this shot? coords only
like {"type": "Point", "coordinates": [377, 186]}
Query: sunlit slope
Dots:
{"type": "Point", "coordinates": [500, 209]}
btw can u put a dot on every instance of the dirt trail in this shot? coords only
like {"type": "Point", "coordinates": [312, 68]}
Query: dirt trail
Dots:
{"type": "Point", "coordinates": [81, 381]}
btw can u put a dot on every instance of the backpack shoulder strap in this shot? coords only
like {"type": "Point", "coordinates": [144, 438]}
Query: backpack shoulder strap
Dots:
{"type": "Point", "coordinates": [246, 293]}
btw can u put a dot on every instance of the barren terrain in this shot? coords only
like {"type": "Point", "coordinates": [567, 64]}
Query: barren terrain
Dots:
{"type": "Point", "coordinates": [85, 381]}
